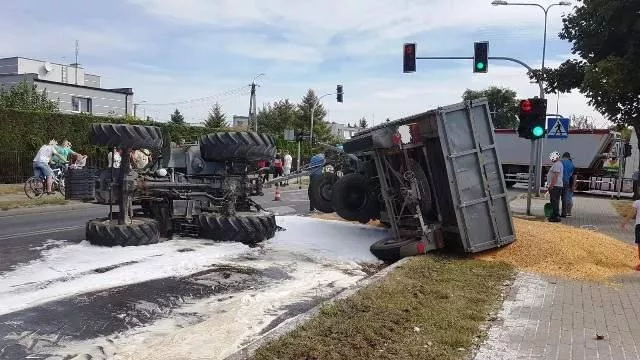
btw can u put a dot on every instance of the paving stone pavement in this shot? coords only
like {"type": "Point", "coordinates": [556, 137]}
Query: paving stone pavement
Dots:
{"type": "Point", "coordinates": [551, 318]}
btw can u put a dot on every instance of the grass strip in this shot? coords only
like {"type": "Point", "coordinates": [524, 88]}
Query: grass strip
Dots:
{"type": "Point", "coordinates": [429, 308]}
{"type": "Point", "coordinates": [15, 204]}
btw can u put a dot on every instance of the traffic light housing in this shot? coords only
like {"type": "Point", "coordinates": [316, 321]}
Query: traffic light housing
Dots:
{"type": "Point", "coordinates": [409, 55]}
{"type": "Point", "coordinates": [480, 57]}
{"type": "Point", "coordinates": [339, 93]}
{"type": "Point", "coordinates": [532, 115]}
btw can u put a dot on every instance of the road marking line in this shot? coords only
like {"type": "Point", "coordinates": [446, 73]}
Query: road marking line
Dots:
{"type": "Point", "coordinates": [40, 232]}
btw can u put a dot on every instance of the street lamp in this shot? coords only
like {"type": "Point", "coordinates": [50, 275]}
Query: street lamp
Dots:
{"type": "Point", "coordinates": [544, 50]}
{"type": "Point", "coordinates": [135, 107]}
{"type": "Point", "coordinates": [313, 110]}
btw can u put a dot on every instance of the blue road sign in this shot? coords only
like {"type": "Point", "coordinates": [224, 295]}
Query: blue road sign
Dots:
{"type": "Point", "coordinates": [557, 128]}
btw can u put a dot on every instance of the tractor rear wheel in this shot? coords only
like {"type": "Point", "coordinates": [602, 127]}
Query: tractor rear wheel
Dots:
{"type": "Point", "coordinates": [230, 145]}
{"type": "Point", "coordinates": [126, 136]}
{"type": "Point", "coordinates": [105, 232]}
{"type": "Point", "coordinates": [245, 227]}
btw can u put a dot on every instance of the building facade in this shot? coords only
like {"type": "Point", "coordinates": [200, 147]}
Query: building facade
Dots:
{"type": "Point", "coordinates": [343, 131]}
{"type": "Point", "coordinates": [76, 90]}
{"type": "Point", "coordinates": [240, 122]}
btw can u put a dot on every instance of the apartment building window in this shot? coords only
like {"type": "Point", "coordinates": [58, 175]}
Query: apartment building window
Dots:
{"type": "Point", "coordinates": [80, 104]}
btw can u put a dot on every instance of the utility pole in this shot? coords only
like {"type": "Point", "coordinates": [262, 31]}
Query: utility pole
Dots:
{"type": "Point", "coordinates": [252, 103]}
{"type": "Point", "coordinates": [76, 64]}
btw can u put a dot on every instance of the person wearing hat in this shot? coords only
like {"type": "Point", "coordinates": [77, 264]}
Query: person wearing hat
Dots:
{"type": "Point", "coordinates": [568, 184]}
{"type": "Point", "coordinates": [555, 185]}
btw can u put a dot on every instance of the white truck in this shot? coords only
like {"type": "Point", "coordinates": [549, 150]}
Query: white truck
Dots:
{"type": "Point", "coordinates": [597, 154]}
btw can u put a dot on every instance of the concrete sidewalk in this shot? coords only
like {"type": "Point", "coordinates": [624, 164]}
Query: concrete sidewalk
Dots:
{"type": "Point", "coordinates": [550, 318]}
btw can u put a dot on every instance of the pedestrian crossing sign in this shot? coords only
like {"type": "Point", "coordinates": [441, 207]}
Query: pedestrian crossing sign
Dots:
{"type": "Point", "coordinates": [557, 128]}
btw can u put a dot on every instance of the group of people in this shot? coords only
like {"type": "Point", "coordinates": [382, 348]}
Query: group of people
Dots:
{"type": "Point", "coordinates": [561, 184]}
{"type": "Point", "coordinates": [139, 159]}
{"type": "Point", "coordinates": [280, 165]}
{"type": "Point", "coordinates": [61, 156]}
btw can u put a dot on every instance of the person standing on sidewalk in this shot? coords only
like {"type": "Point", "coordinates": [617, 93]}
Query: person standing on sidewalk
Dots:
{"type": "Point", "coordinates": [288, 160]}
{"type": "Point", "coordinates": [634, 214]}
{"type": "Point", "coordinates": [554, 185]}
{"type": "Point", "coordinates": [569, 184]}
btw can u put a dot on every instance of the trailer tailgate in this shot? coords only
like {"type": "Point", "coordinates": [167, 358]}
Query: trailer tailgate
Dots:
{"type": "Point", "coordinates": [477, 185]}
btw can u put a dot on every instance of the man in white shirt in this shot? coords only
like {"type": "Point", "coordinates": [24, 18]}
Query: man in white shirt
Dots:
{"type": "Point", "coordinates": [114, 160]}
{"type": "Point", "coordinates": [288, 160]}
{"type": "Point", "coordinates": [554, 184]}
{"type": "Point", "coordinates": [41, 162]}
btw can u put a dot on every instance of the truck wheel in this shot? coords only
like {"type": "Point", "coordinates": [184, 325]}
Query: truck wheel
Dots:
{"type": "Point", "coordinates": [352, 200]}
{"type": "Point", "coordinates": [229, 145]}
{"type": "Point", "coordinates": [391, 250]}
{"type": "Point", "coordinates": [126, 136]}
{"type": "Point", "coordinates": [321, 192]}
{"type": "Point", "coordinates": [105, 232]}
{"type": "Point", "coordinates": [245, 227]}
{"type": "Point", "coordinates": [426, 201]}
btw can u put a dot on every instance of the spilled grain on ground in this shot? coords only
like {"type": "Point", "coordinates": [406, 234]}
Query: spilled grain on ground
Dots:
{"type": "Point", "coordinates": [561, 250]}
{"type": "Point", "coordinates": [333, 216]}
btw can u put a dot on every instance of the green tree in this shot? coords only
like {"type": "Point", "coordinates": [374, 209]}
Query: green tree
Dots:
{"type": "Point", "coordinates": [177, 117]}
{"type": "Point", "coordinates": [581, 122]}
{"type": "Point", "coordinates": [274, 118]}
{"type": "Point", "coordinates": [362, 123]}
{"type": "Point", "coordinates": [27, 98]}
{"type": "Point", "coordinates": [216, 118]}
{"type": "Point", "coordinates": [321, 130]}
{"type": "Point", "coordinates": [605, 34]}
{"type": "Point", "coordinates": [503, 105]}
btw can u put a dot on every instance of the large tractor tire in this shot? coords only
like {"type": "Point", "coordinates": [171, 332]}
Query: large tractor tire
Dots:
{"type": "Point", "coordinates": [245, 227]}
{"type": "Point", "coordinates": [230, 145]}
{"type": "Point", "coordinates": [352, 199]}
{"type": "Point", "coordinates": [105, 232]}
{"type": "Point", "coordinates": [126, 136]}
{"type": "Point", "coordinates": [321, 192]}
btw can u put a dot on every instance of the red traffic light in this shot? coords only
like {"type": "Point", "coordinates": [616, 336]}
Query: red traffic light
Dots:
{"type": "Point", "coordinates": [525, 105]}
{"type": "Point", "coordinates": [408, 49]}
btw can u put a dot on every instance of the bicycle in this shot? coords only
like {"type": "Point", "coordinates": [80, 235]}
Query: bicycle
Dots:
{"type": "Point", "coordinates": [35, 186]}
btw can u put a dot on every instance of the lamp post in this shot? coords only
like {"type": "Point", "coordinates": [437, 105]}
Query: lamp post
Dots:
{"type": "Point", "coordinates": [538, 177]}
{"type": "Point", "coordinates": [313, 110]}
{"type": "Point", "coordinates": [135, 107]}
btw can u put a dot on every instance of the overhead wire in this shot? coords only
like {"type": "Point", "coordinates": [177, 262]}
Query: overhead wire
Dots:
{"type": "Point", "coordinates": [234, 92]}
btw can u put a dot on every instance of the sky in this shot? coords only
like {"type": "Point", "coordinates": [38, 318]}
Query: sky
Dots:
{"type": "Point", "coordinates": [190, 54]}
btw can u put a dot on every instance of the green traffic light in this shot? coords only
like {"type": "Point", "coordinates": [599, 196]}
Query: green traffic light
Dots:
{"type": "Point", "coordinates": [537, 131]}
{"type": "Point", "coordinates": [480, 65]}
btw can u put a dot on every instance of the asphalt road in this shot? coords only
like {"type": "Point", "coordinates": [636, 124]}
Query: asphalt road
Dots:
{"type": "Point", "coordinates": [21, 235]}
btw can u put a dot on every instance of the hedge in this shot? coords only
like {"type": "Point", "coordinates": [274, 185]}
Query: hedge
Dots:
{"type": "Point", "coordinates": [23, 132]}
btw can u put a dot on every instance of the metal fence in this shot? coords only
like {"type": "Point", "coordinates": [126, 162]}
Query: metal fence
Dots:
{"type": "Point", "coordinates": [17, 166]}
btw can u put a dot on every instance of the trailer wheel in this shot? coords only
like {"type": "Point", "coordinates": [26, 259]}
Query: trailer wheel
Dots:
{"type": "Point", "coordinates": [105, 232]}
{"type": "Point", "coordinates": [229, 145]}
{"type": "Point", "coordinates": [245, 227]}
{"type": "Point", "coordinates": [321, 190]}
{"type": "Point", "coordinates": [391, 250]}
{"type": "Point", "coordinates": [352, 199]}
{"type": "Point", "coordinates": [126, 136]}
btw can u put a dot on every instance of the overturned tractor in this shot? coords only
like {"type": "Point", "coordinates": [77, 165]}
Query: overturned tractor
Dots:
{"type": "Point", "coordinates": [198, 190]}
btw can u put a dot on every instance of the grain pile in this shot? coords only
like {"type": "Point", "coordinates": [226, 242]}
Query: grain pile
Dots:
{"type": "Point", "coordinates": [333, 216]}
{"type": "Point", "coordinates": [561, 250]}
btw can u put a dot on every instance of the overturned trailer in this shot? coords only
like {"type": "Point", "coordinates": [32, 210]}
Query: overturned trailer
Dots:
{"type": "Point", "coordinates": [434, 179]}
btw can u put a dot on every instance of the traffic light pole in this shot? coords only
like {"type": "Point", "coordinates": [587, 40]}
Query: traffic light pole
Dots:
{"type": "Point", "coordinates": [535, 160]}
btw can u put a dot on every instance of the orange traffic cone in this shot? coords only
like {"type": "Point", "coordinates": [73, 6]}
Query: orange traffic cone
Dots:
{"type": "Point", "coordinates": [277, 196]}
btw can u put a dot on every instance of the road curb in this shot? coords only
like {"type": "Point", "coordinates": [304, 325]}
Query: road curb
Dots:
{"type": "Point", "coordinates": [46, 209]}
{"type": "Point", "coordinates": [291, 324]}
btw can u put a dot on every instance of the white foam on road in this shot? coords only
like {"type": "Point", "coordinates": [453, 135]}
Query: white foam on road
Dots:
{"type": "Point", "coordinates": [69, 270]}
{"type": "Point", "coordinates": [321, 257]}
